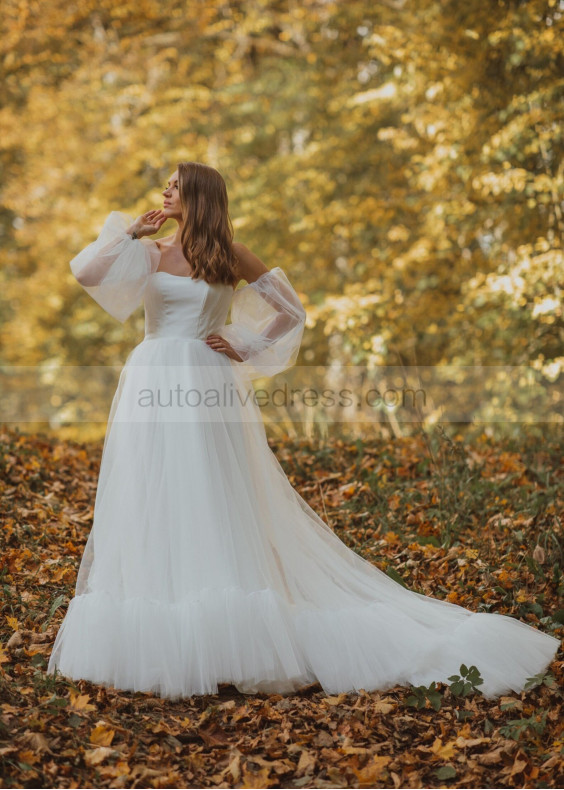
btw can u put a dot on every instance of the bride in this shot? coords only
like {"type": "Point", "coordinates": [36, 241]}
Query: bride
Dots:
{"type": "Point", "coordinates": [203, 564]}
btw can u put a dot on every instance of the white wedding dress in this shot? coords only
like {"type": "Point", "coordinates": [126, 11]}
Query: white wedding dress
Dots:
{"type": "Point", "coordinates": [203, 564]}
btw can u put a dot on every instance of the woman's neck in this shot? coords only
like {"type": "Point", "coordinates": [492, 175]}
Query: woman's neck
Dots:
{"type": "Point", "coordinates": [177, 238]}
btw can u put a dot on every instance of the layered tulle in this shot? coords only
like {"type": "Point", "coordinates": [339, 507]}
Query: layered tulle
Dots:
{"type": "Point", "coordinates": [205, 566]}
{"type": "Point", "coordinates": [261, 643]}
{"type": "Point", "coordinates": [114, 269]}
{"type": "Point", "coordinates": [267, 324]}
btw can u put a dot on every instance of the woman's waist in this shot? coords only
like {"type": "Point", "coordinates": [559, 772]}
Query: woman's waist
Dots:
{"type": "Point", "coordinates": [160, 335]}
{"type": "Point", "coordinates": [183, 330]}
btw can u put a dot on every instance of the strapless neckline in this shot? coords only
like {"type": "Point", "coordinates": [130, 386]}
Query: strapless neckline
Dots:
{"type": "Point", "coordinates": [187, 277]}
{"type": "Point", "coordinates": [180, 276]}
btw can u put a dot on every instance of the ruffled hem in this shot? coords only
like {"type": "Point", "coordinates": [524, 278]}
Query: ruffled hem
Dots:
{"type": "Point", "coordinates": [262, 644]}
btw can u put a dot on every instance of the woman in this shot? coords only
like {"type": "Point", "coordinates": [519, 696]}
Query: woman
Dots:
{"type": "Point", "coordinates": [203, 564]}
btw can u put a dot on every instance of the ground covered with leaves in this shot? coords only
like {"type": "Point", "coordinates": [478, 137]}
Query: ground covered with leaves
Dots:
{"type": "Point", "coordinates": [478, 524]}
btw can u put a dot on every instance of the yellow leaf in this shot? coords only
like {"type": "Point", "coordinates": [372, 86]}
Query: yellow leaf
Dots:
{"type": "Point", "coordinates": [372, 771]}
{"type": "Point", "coordinates": [259, 779]}
{"type": "Point", "coordinates": [523, 597]}
{"type": "Point", "coordinates": [12, 622]}
{"type": "Point", "coordinates": [102, 734]}
{"type": "Point", "coordinates": [445, 752]}
{"type": "Point", "coordinates": [27, 756]}
{"type": "Point", "coordinates": [348, 490]}
{"type": "Point", "coordinates": [60, 572]}
{"type": "Point", "coordinates": [80, 701]}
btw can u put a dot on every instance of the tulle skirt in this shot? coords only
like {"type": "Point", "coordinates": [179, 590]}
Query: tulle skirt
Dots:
{"type": "Point", "coordinates": [205, 566]}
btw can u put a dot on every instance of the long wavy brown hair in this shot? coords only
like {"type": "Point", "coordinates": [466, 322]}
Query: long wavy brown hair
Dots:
{"type": "Point", "coordinates": [207, 230]}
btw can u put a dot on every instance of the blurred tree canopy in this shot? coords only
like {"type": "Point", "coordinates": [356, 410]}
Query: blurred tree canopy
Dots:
{"type": "Point", "coordinates": [402, 162]}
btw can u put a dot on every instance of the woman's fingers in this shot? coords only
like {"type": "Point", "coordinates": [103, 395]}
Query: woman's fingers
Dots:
{"type": "Point", "coordinates": [151, 216]}
{"type": "Point", "coordinates": [215, 340]}
{"type": "Point", "coordinates": [218, 343]}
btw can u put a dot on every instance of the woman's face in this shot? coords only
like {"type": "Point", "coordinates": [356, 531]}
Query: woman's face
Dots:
{"type": "Point", "coordinates": [171, 194]}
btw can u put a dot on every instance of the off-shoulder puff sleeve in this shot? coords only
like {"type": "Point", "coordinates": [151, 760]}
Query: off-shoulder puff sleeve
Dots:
{"type": "Point", "coordinates": [267, 325]}
{"type": "Point", "coordinates": [115, 268]}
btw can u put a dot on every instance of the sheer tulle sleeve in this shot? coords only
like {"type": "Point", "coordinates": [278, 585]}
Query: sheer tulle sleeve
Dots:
{"type": "Point", "coordinates": [115, 268]}
{"type": "Point", "coordinates": [267, 325]}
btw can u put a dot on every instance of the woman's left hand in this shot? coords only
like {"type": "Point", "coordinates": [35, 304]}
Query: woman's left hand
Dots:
{"type": "Point", "coordinates": [219, 343]}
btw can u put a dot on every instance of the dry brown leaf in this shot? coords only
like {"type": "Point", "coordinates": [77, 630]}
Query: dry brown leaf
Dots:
{"type": "Point", "coordinates": [323, 738]}
{"type": "Point", "coordinates": [519, 765]}
{"type": "Point", "coordinates": [552, 761]}
{"type": "Point", "coordinates": [538, 554]}
{"type": "Point", "coordinates": [213, 735]}
{"type": "Point", "coordinates": [234, 767]}
{"type": "Point", "coordinates": [396, 779]}
{"type": "Point", "coordinates": [491, 758]}
{"type": "Point", "coordinates": [354, 750]}
{"type": "Point", "coordinates": [467, 743]}
{"type": "Point", "coordinates": [121, 768]}
{"type": "Point", "coordinates": [515, 703]}
{"type": "Point", "coordinates": [14, 641]}
{"type": "Point", "coordinates": [142, 772]}
{"type": "Point", "coordinates": [35, 741]}
{"type": "Point", "coordinates": [384, 705]}
{"type": "Point", "coordinates": [306, 763]}
{"type": "Point", "coordinates": [334, 700]}
{"type": "Point", "coordinates": [98, 755]}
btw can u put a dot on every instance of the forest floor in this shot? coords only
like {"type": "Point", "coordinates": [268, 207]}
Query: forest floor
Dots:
{"type": "Point", "coordinates": [478, 524]}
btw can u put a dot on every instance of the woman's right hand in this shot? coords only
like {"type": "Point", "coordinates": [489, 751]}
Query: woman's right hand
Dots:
{"type": "Point", "coordinates": [148, 223]}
